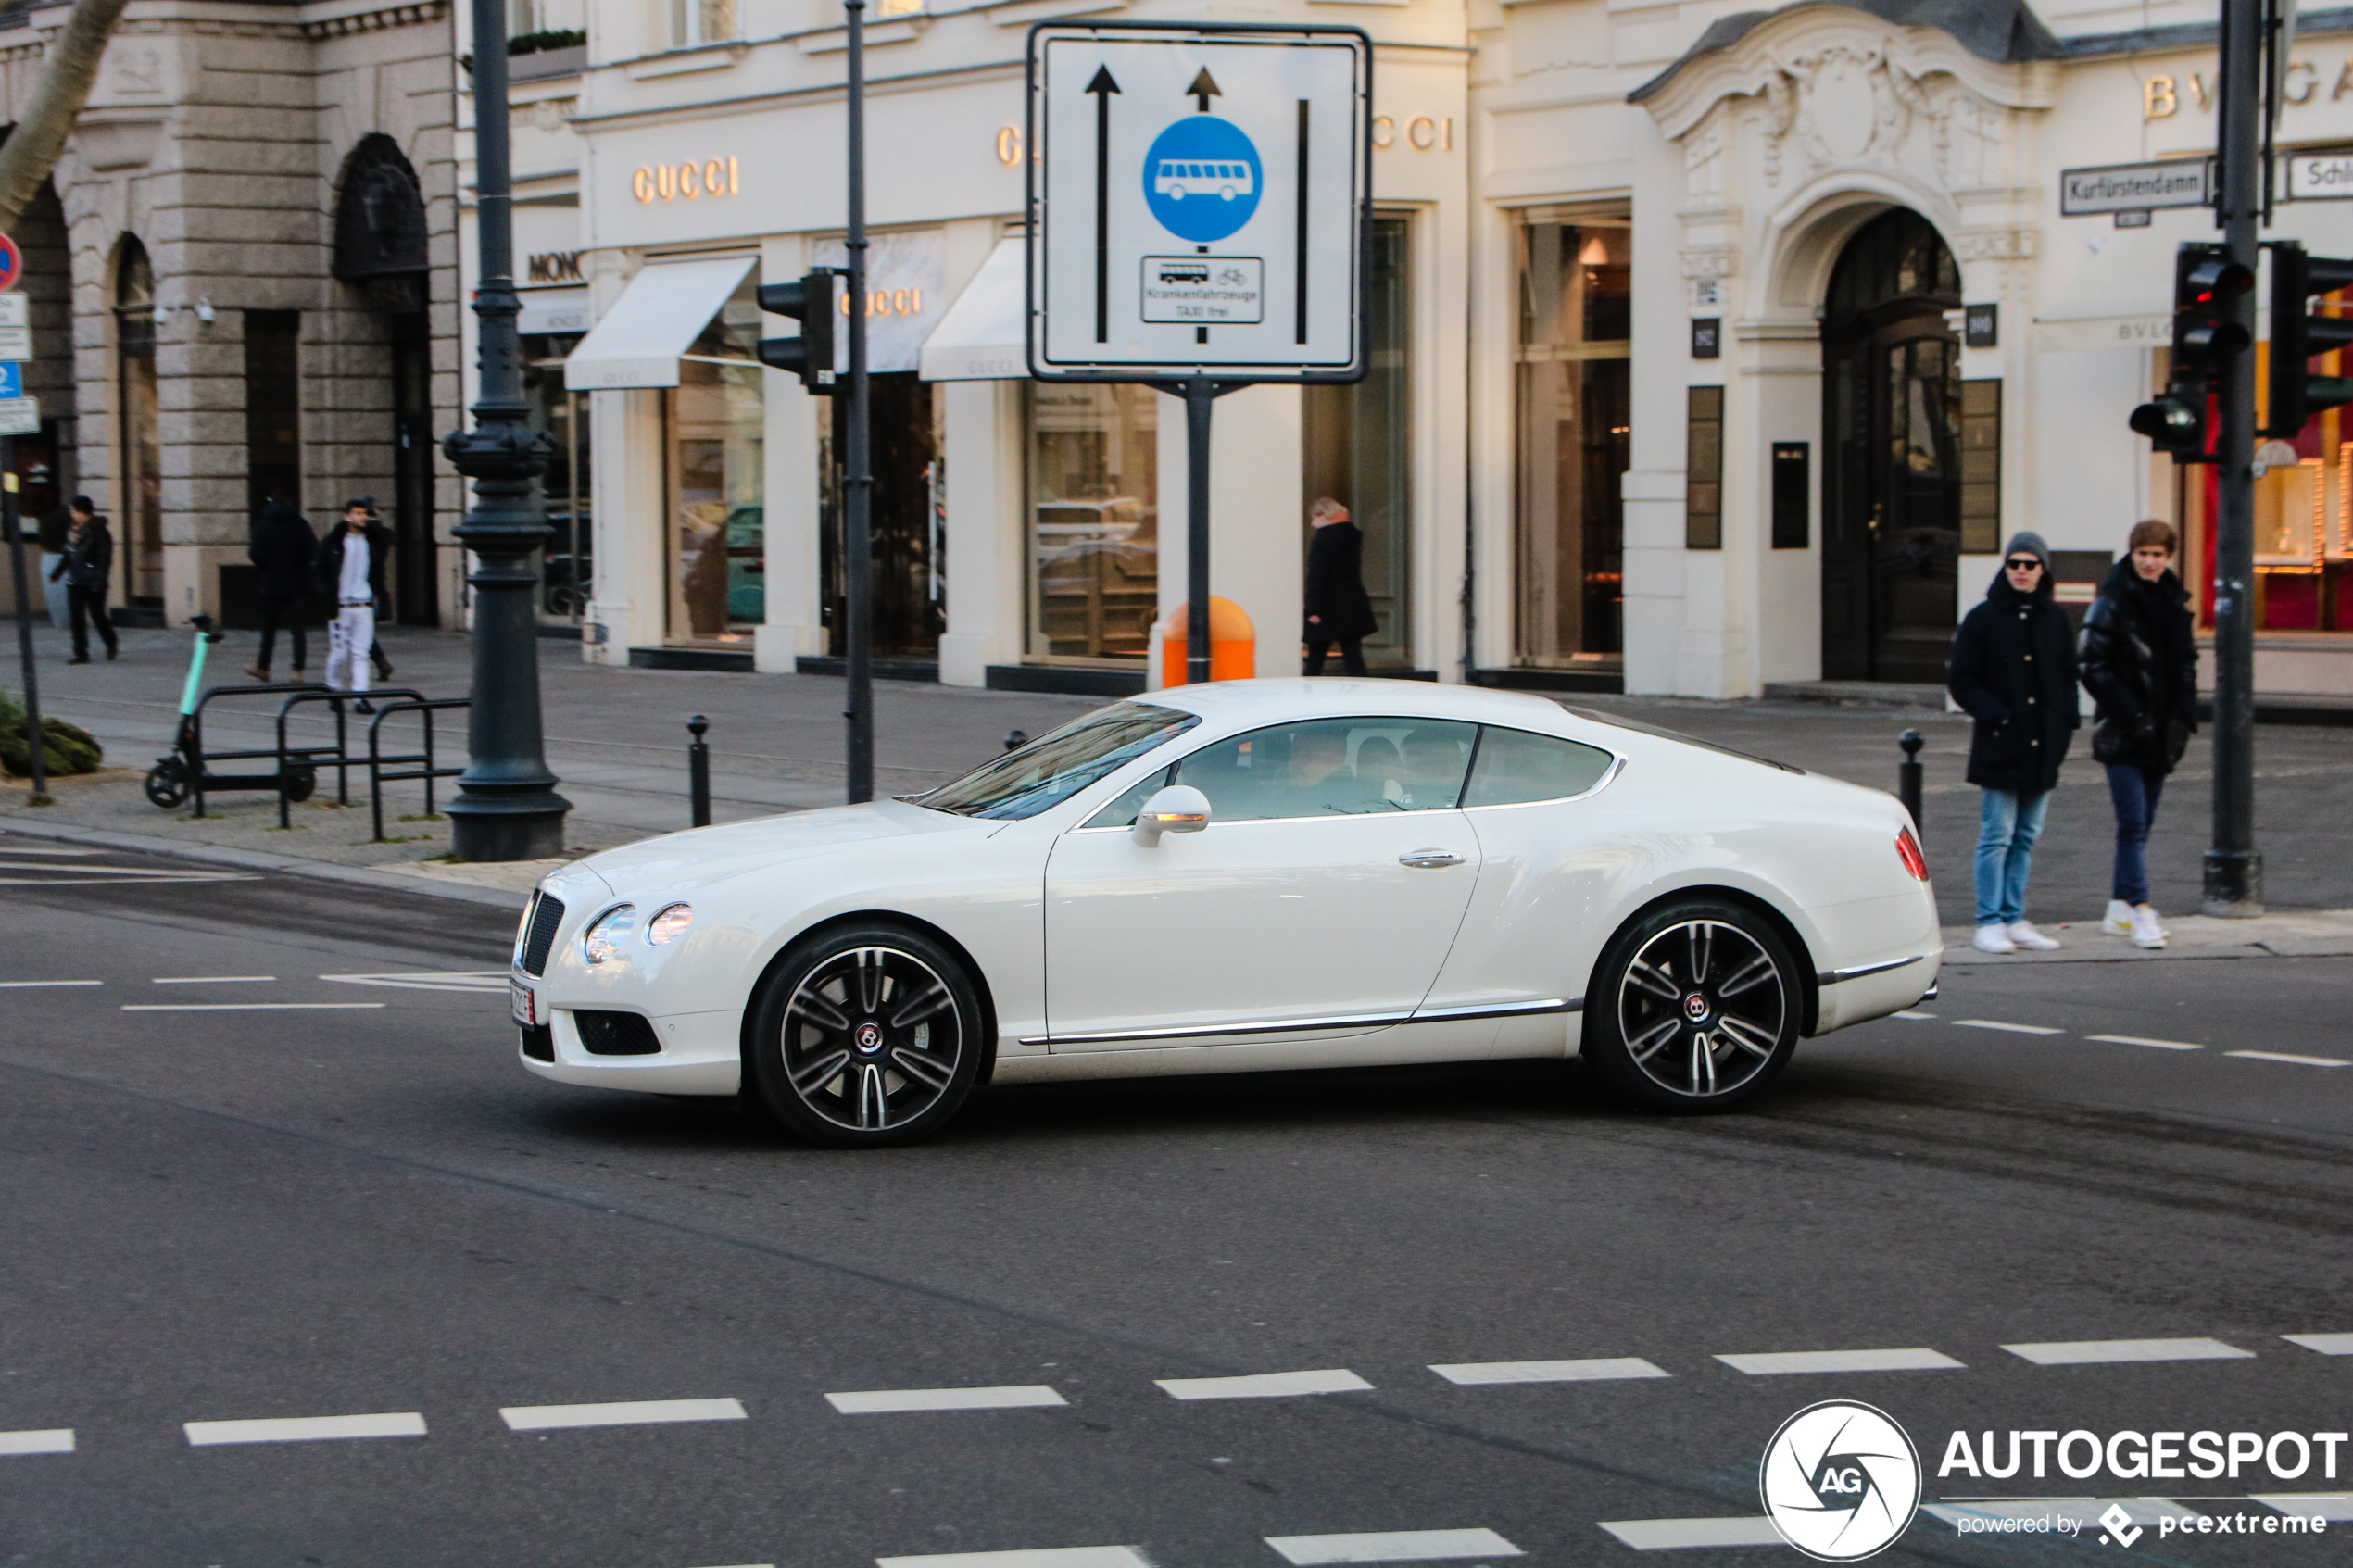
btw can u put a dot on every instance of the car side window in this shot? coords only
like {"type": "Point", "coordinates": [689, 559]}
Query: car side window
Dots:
{"type": "Point", "coordinates": [1122, 812]}
{"type": "Point", "coordinates": [1332, 767]}
{"type": "Point", "coordinates": [1515, 766]}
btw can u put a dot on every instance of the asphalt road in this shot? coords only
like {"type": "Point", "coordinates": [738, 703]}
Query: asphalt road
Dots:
{"type": "Point", "coordinates": [351, 1202]}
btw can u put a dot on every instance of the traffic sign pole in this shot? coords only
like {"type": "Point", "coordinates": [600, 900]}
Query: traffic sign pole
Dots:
{"type": "Point", "coordinates": [858, 553]}
{"type": "Point", "coordinates": [24, 620]}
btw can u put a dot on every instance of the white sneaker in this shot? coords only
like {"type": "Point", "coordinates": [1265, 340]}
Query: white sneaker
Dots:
{"type": "Point", "coordinates": [2147, 932]}
{"type": "Point", "coordinates": [2025, 935]}
{"type": "Point", "coordinates": [2117, 922]}
{"type": "Point", "coordinates": [2150, 910]}
{"type": "Point", "coordinates": [1994, 939]}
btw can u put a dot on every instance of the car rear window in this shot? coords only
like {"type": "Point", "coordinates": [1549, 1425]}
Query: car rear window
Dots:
{"type": "Point", "coordinates": [1514, 767]}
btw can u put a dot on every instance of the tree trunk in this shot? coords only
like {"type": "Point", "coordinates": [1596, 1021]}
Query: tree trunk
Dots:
{"type": "Point", "coordinates": [40, 131]}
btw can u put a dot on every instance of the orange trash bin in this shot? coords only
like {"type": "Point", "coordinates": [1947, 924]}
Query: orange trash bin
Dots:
{"type": "Point", "coordinates": [1233, 645]}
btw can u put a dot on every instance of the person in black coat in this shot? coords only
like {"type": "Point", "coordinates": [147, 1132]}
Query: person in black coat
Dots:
{"type": "Point", "coordinates": [2013, 671]}
{"type": "Point", "coordinates": [86, 566]}
{"type": "Point", "coordinates": [285, 549]}
{"type": "Point", "coordinates": [1339, 611]}
{"type": "Point", "coordinates": [2139, 655]}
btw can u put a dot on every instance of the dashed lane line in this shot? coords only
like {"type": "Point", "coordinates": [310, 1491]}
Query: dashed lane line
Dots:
{"type": "Point", "coordinates": [1779, 1361]}
{"type": "Point", "coordinates": [1601, 1370]}
{"type": "Point", "coordinates": [304, 1428]}
{"type": "Point", "coordinates": [895, 1401]}
{"type": "Point", "coordinates": [2326, 1343]}
{"type": "Point", "coordinates": [213, 980]}
{"type": "Point", "coordinates": [431, 980]}
{"type": "Point", "coordinates": [627, 1413]}
{"type": "Point", "coordinates": [1670, 1534]}
{"type": "Point", "coordinates": [1263, 1385]}
{"type": "Point", "coordinates": [40, 985]}
{"type": "Point", "coordinates": [1043, 1557]}
{"type": "Point", "coordinates": [2142, 1040]}
{"type": "Point", "coordinates": [2292, 1059]}
{"type": "Point", "coordinates": [2085, 1352]}
{"type": "Point", "coordinates": [2332, 1506]}
{"type": "Point", "coordinates": [246, 1007]}
{"type": "Point", "coordinates": [2006, 1028]}
{"type": "Point", "coordinates": [1391, 1546]}
{"type": "Point", "coordinates": [56, 1440]}
{"type": "Point", "coordinates": [1915, 1017]}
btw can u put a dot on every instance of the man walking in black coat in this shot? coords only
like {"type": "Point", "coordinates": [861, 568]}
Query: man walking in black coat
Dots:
{"type": "Point", "coordinates": [86, 566]}
{"type": "Point", "coordinates": [1339, 611]}
{"type": "Point", "coordinates": [2013, 670]}
{"type": "Point", "coordinates": [284, 548]}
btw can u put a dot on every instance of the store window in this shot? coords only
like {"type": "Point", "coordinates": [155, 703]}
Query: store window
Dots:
{"type": "Point", "coordinates": [566, 565]}
{"type": "Point", "coordinates": [715, 427]}
{"type": "Point", "coordinates": [1094, 519]}
{"type": "Point", "coordinates": [1359, 447]}
{"type": "Point", "coordinates": [2303, 519]}
{"type": "Point", "coordinates": [1575, 316]}
{"type": "Point", "coordinates": [139, 536]}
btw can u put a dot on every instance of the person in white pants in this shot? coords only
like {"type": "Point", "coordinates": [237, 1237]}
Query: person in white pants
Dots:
{"type": "Point", "coordinates": [351, 563]}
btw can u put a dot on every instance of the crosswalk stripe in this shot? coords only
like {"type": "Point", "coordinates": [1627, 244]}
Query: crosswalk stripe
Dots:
{"type": "Point", "coordinates": [1603, 1369]}
{"type": "Point", "coordinates": [56, 1440]}
{"type": "Point", "coordinates": [890, 1402]}
{"type": "Point", "coordinates": [1670, 1534]}
{"type": "Point", "coordinates": [627, 1413]}
{"type": "Point", "coordinates": [2326, 1343]}
{"type": "Point", "coordinates": [1777, 1361]}
{"type": "Point", "coordinates": [1263, 1385]}
{"type": "Point", "coordinates": [303, 1429]}
{"type": "Point", "coordinates": [2084, 1352]}
{"type": "Point", "coordinates": [1045, 1557]}
{"type": "Point", "coordinates": [1391, 1546]}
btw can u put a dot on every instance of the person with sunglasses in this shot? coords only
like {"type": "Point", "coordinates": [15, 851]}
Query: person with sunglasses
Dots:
{"type": "Point", "coordinates": [2013, 671]}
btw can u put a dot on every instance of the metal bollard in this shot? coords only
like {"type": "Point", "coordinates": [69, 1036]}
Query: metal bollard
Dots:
{"type": "Point", "coordinates": [1017, 739]}
{"type": "Point", "coordinates": [1907, 779]}
{"type": "Point", "coordinates": [698, 772]}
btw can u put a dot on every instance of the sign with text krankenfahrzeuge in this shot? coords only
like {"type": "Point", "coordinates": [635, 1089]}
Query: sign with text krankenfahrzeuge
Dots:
{"type": "Point", "coordinates": [1198, 201]}
{"type": "Point", "coordinates": [2136, 187]}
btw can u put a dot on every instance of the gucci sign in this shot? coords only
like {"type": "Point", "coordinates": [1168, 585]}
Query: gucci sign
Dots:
{"type": "Point", "coordinates": [671, 181]}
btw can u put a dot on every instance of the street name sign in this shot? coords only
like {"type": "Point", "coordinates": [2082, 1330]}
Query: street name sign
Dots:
{"type": "Point", "coordinates": [1198, 201]}
{"type": "Point", "coordinates": [2319, 177]}
{"type": "Point", "coordinates": [19, 416]}
{"type": "Point", "coordinates": [2135, 187]}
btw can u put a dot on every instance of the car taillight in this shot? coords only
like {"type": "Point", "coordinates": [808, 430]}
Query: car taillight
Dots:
{"type": "Point", "coordinates": [1909, 847]}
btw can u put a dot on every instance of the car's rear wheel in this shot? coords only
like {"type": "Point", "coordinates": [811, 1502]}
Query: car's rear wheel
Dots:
{"type": "Point", "coordinates": [1696, 1007]}
{"type": "Point", "coordinates": [866, 1037]}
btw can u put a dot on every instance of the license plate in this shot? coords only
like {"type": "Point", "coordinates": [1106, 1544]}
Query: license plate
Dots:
{"type": "Point", "coordinates": [524, 1004]}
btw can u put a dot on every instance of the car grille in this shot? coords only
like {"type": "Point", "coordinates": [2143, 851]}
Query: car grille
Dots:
{"type": "Point", "coordinates": [538, 1041]}
{"type": "Point", "coordinates": [616, 1033]}
{"type": "Point", "coordinates": [546, 917]}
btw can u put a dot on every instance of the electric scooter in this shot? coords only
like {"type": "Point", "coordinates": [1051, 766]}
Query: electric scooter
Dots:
{"type": "Point", "coordinates": [174, 778]}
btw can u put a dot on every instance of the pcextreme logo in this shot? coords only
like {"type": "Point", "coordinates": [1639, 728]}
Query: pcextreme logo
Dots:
{"type": "Point", "coordinates": [1841, 1481]}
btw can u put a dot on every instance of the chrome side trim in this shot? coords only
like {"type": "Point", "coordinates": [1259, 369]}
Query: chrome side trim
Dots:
{"type": "Point", "coordinates": [1834, 976]}
{"type": "Point", "coordinates": [1501, 1010]}
{"type": "Point", "coordinates": [1307, 1025]}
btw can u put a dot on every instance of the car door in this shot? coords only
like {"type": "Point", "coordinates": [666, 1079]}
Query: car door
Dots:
{"type": "Point", "coordinates": [1321, 899]}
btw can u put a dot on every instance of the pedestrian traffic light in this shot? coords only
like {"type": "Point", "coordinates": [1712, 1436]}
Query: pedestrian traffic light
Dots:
{"type": "Point", "coordinates": [2206, 284]}
{"type": "Point", "coordinates": [2297, 393]}
{"type": "Point", "coordinates": [813, 300]}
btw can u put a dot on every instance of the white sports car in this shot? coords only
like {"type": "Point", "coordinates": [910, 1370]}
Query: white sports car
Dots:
{"type": "Point", "coordinates": [1240, 876]}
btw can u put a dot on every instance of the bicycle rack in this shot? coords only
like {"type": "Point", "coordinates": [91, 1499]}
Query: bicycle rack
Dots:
{"type": "Point", "coordinates": [378, 778]}
{"type": "Point", "coordinates": [317, 756]}
{"type": "Point", "coordinates": [198, 762]}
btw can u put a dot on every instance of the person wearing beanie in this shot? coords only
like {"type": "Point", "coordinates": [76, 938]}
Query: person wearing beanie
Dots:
{"type": "Point", "coordinates": [2013, 672]}
{"type": "Point", "coordinates": [2140, 664]}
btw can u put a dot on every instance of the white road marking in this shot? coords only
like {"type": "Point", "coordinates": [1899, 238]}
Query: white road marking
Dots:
{"type": "Point", "coordinates": [627, 1413]}
{"type": "Point", "coordinates": [212, 980]}
{"type": "Point", "coordinates": [429, 979]}
{"type": "Point", "coordinates": [1471, 1373]}
{"type": "Point", "coordinates": [1912, 1015]}
{"type": "Point", "coordinates": [1668, 1535]}
{"type": "Point", "coordinates": [2138, 1040]}
{"type": "Point", "coordinates": [246, 1007]}
{"type": "Point", "coordinates": [2006, 1028]}
{"type": "Point", "coordinates": [1040, 1557]}
{"type": "Point", "coordinates": [2326, 1343]}
{"type": "Point", "coordinates": [304, 1428]}
{"type": "Point", "coordinates": [1917, 1359]}
{"type": "Point", "coordinates": [75, 854]}
{"type": "Point", "coordinates": [95, 874]}
{"type": "Point", "coordinates": [56, 1440]}
{"type": "Point", "coordinates": [2331, 1506]}
{"type": "Point", "coordinates": [124, 880]}
{"type": "Point", "coordinates": [1263, 1385]}
{"type": "Point", "coordinates": [2082, 1352]}
{"type": "Point", "coordinates": [2296, 1061]}
{"type": "Point", "coordinates": [2144, 1511]}
{"type": "Point", "coordinates": [37, 985]}
{"type": "Point", "coordinates": [890, 1402]}
{"type": "Point", "coordinates": [1393, 1546]}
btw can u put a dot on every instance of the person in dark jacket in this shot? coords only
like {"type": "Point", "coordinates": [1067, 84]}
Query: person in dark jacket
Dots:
{"type": "Point", "coordinates": [351, 574]}
{"type": "Point", "coordinates": [2140, 664]}
{"type": "Point", "coordinates": [285, 549]}
{"type": "Point", "coordinates": [1339, 611]}
{"type": "Point", "coordinates": [2013, 671]}
{"type": "Point", "coordinates": [85, 567]}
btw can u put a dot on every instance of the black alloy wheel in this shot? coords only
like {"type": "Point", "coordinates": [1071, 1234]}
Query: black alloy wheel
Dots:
{"type": "Point", "coordinates": [868, 1037]}
{"type": "Point", "coordinates": [1696, 1007]}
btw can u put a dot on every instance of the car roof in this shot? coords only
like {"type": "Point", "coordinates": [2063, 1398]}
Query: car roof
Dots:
{"type": "Point", "coordinates": [1272, 701]}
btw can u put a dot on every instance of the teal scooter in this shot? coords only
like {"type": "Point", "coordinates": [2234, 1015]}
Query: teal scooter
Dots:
{"type": "Point", "coordinates": [174, 778]}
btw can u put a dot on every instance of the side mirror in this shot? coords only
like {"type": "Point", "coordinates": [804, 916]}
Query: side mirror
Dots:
{"type": "Point", "coordinates": [1178, 809]}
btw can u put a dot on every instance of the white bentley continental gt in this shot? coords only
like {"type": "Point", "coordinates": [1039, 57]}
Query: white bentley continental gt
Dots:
{"type": "Point", "coordinates": [1237, 877]}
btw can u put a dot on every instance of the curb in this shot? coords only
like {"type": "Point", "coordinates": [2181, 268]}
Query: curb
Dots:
{"type": "Point", "coordinates": [254, 860]}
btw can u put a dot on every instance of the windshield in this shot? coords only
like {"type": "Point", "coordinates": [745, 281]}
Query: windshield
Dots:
{"type": "Point", "coordinates": [1054, 766]}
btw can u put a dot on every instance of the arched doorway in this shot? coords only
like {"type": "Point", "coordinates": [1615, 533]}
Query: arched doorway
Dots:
{"type": "Point", "coordinates": [1892, 425]}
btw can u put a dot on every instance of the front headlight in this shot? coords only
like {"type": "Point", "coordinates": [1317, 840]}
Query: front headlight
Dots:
{"type": "Point", "coordinates": [669, 924]}
{"type": "Point", "coordinates": [603, 938]}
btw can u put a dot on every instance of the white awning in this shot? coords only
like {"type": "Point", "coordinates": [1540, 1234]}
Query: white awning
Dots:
{"type": "Point", "coordinates": [658, 316]}
{"type": "Point", "coordinates": [553, 310]}
{"type": "Point", "coordinates": [980, 338]}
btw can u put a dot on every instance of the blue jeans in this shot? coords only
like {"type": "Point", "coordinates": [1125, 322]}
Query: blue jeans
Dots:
{"type": "Point", "coordinates": [2134, 790]}
{"type": "Point", "coordinates": [2012, 822]}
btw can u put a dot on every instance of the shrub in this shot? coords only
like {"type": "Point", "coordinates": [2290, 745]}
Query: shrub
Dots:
{"type": "Point", "coordinates": [65, 748]}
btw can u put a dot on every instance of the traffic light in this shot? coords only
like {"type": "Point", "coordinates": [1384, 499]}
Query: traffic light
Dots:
{"type": "Point", "coordinates": [2174, 421]}
{"type": "Point", "coordinates": [2207, 282]}
{"type": "Point", "coordinates": [2297, 393]}
{"type": "Point", "coordinates": [813, 300]}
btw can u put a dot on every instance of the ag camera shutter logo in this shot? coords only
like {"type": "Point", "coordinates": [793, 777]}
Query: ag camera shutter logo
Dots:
{"type": "Point", "coordinates": [1841, 1481]}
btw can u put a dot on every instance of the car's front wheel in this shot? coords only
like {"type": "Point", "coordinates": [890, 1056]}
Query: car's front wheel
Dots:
{"type": "Point", "coordinates": [1695, 1007]}
{"type": "Point", "coordinates": [866, 1037]}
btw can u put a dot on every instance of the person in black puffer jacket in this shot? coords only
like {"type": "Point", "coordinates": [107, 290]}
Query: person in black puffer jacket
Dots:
{"type": "Point", "coordinates": [2139, 658]}
{"type": "Point", "coordinates": [2013, 670]}
{"type": "Point", "coordinates": [1338, 609]}
{"type": "Point", "coordinates": [286, 549]}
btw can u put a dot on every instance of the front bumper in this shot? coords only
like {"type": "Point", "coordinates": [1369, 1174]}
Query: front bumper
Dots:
{"type": "Point", "coordinates": [701, 1054]}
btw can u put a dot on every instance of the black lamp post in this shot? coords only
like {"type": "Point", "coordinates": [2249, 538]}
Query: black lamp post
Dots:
{"type": "Point", "coordinates": [507, 807]}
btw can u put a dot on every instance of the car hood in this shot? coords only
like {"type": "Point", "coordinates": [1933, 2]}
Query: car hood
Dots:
{"type": "Point", "coordinates": [707, 857]}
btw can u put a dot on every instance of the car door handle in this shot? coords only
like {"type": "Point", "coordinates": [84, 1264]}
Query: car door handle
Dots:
{"type": "Point", "coordinates": [1430, 858]}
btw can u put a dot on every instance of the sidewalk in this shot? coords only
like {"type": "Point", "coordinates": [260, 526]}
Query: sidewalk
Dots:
{"type": "Point", "coordinates": [616, 739]}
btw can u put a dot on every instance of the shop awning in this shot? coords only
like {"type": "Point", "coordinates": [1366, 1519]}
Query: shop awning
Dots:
{"type": "Point", "coordinates": [980, 338]}
{"type": "Point", "coordinates": [658, 316]}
